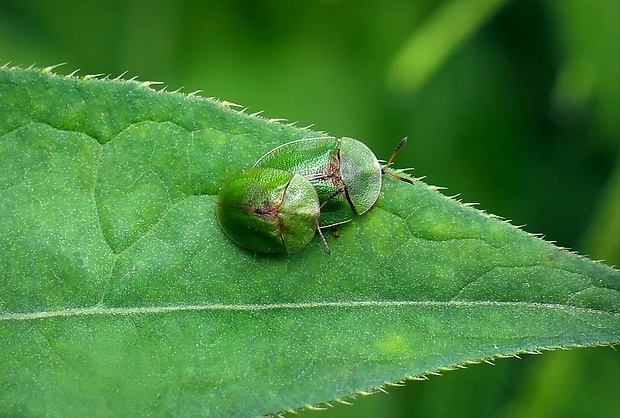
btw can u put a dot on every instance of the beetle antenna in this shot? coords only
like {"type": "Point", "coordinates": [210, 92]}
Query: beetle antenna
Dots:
{"type": "Point", "coordinates": [325, 246]}
{"type": "Point", "coordinates": [389, 162]}
{"type": "Point", "coordinates": [398, 147]}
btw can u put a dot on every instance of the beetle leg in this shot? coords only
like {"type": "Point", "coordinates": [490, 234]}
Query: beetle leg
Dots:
{"type": "Point", "coordinates": [323, 241]}
{"type": "Point", "coordinates": [335, 232]}
{"type": "Point", "coordinates": [399, 177]}
{"type": "Point", "coordinates": [338, 191]}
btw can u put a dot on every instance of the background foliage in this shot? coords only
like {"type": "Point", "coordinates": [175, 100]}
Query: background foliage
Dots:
{"type": "Point", "coordinates": [511, 104]}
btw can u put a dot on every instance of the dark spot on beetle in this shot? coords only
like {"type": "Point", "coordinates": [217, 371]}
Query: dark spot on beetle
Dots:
{"type": "Point", "coordinates": [267, 211]}
{"type": "Point", "coordinates": [335, 232]}
{"type": "Point", "coordinates": [331, 172]}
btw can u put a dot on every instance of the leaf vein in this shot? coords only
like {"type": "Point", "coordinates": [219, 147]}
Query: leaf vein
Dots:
{"type": "Point", "coordinates": [150, 310]}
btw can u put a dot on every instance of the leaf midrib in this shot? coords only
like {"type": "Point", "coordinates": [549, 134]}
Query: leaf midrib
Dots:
{"type": "Point", "coordinates": [103, 311]}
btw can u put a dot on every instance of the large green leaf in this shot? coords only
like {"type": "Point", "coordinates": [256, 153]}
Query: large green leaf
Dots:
{"type": "Point", "coordinates": [119, 294]}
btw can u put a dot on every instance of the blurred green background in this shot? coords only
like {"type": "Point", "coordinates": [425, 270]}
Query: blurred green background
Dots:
{"type": "Point", "coordinates": [512, 104]}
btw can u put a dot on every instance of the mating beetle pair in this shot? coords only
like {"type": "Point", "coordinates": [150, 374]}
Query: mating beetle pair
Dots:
{"type": "Point", "coordinates": [298, 188]}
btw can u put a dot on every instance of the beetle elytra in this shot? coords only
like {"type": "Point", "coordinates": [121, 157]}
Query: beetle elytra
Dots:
{"type": "Point", "coordinates": [269, 210]}
{"type": "Point", "coordinates": [345, 173]}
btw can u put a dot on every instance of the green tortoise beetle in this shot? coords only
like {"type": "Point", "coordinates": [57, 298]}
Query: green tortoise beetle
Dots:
{"type": "Point", "coordinates": [345, 173]}
{"type": "Point", "coordinates": [269, 210]}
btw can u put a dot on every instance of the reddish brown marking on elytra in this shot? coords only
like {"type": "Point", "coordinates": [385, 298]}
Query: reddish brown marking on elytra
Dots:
{"type": "Point", "coordinates": [267, 211]}
{"type": "Point", "coordinates": [331, 173]}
